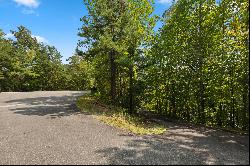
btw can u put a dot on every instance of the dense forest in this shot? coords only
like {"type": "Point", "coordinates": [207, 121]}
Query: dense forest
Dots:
{"type": "Point", "coordinates": [28, 65]}
{"type": "Point", "coordinates": [194, 68]}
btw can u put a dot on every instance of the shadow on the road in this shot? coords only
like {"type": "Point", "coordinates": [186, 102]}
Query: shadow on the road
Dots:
{"type": "Point", "coordinates": [182, 147]}
{"type": "Point", "coordinates": [52, 106]}
{"type": "Point", "coordinates": [179, 145]}
{"type": "Point", "coordinates": [52, 111]}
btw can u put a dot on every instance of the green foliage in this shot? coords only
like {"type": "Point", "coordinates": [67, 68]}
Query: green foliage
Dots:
{"type": "Point", "coordinates": [1, 72]}
{"type": "Point", "coordinates": [80, 73]}
{"type": "Point", "coordinates": [117, 117]}
{"type": "Point", "coordinates": [200, 57]}
{"type": "Point", "coordinates": [114, 32]}
{"type": "Point", "coordinates": [27, 65]}
{"type": "Point", "coordinates": [195, 68]}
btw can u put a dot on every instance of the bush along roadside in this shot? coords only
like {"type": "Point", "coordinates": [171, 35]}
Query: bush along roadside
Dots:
{"type": "Point", "coordinates": [118, 117]}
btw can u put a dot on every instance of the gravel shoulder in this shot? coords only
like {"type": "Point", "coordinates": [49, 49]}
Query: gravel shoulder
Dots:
{"type": "Point", "coordinates": [45, 128]}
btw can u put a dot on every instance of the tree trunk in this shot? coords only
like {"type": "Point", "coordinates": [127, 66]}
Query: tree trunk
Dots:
{"type": "Point", "coordinates": [201, 82]}
{"type": "Point", "coordinates": [188, 106]}
{"type": "Point", "coordinates": [245, 111]}
{"type": "Point", "coordinates": [113, 77]}
{"type": "Point", "coordinates": [173, 102]}
{"type": "Point", "coordinates": [232, 113]}
{"type": "Point", "coordinates": [220, 110]}
{"type": "Point", "coordinates": [131, 104]}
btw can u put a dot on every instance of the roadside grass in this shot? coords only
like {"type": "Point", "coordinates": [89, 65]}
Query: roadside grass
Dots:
{"type": "Point", "coordinates": [118, 117]}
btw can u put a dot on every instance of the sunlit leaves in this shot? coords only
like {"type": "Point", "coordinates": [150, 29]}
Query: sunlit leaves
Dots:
{"type": "Point", "coordinates": [202, 43]}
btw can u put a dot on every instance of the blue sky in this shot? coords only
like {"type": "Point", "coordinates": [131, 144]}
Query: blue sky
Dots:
{"type": "Point", "coordinates": [55, 22]}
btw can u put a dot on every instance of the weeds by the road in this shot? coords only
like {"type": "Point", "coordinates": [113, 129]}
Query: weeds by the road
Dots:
{"type": "Point", "coordinates": [118, 117]}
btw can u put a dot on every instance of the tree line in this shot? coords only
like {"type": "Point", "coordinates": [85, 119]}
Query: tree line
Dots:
{"type": "Point", "coordinates": [194, 68]}
{"type": "Point", "coordinates": [29, 65]}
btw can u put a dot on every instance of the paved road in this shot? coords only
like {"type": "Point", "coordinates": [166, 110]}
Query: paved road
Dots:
{"type": "Point", "coordinates": [45, 128]}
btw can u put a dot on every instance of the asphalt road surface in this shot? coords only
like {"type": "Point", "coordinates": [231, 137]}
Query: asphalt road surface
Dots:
{"type": "Point", "coordinates": [46, 128]}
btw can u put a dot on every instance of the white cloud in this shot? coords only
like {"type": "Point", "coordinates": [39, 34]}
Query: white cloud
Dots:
{"type": "Point", "coordinates": [9, 36]}
{"type": "Point", "coordinates": [40, 39]}
{"type": "Point", "coordinates": [28, 3]}
{"type": "Point", "coordinates": [165, 1]}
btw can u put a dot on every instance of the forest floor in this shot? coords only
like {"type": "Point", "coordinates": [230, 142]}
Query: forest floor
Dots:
{"type": "Point", "coordinates": [46, 128]}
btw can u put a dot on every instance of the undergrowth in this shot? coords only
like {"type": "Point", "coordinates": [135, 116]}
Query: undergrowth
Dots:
{"type": "Point", "coordinates": [118, 117]}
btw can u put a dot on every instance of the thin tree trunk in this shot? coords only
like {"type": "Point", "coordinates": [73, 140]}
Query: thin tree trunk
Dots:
{"type": "Point", "coordinates": [245, 110]}
{"type": "Point", "coordinates": [131, 104]}
{"type": "Point", "coordinates": [220, 110]}
{"type": "Point", "coordinates": [201, 82]}
{"type": "Point", "coordinates": [232, 113]}
{"type": "Point", "coordinates": [173, 102]}
{"type": "Point", "coordinates": [113, 78]}
{"type": "Point", "coordinates": [188, 106]}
